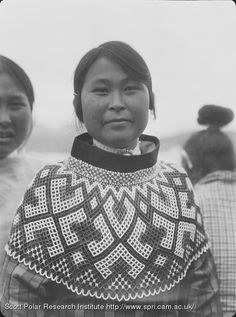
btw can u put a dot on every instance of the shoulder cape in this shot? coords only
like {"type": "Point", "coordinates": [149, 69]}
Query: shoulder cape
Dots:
{"type": "Point", "coordinates": [109, 234]}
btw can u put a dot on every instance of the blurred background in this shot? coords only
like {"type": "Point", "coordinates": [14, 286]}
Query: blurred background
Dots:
{"type": "Point", "coordinates": [189, 46]}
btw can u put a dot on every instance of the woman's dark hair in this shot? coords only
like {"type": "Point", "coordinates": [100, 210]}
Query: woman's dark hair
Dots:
{"type": "Point", "coordinates": [210, 149]}
{"type": "Point", "coordinates": [125, 56]}
{"type": "Point", "coordinates": [19, 76]}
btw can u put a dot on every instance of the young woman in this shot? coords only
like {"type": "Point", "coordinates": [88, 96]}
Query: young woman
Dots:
{"type": "Point", "coordinates": [16, 169]}
{"type": "Point", "coordinates": [110, 231]}
{"type": "Point", "coordinates": [211, 167]}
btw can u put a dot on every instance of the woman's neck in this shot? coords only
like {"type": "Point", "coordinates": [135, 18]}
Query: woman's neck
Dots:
{"type": "Point", "coordinates": [135, 150]}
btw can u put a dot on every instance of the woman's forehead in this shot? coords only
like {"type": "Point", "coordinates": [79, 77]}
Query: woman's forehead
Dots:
{"type": "Point", "coordinates": [104, 69]}
{"type": "Point", "coordinates": [11, 90]}
{"type": "Point", "coordinates": [10, 83]}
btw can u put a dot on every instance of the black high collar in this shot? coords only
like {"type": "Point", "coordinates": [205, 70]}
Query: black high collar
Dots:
{"type": "Point", "coordinates": [83, 149]}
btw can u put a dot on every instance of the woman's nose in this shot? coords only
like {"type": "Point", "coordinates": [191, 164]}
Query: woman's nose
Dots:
{"type": "Point", "coordinates": [4, 116]}
{"type": "Point", "coordinates": [117, 102]}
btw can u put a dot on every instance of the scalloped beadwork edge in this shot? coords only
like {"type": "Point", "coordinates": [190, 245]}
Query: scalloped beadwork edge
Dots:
{"type": "Point", "coordinates": [102, 296]}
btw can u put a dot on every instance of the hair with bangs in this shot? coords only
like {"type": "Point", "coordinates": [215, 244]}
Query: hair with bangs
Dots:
{"type": "Point", "coordinates": [18, 75]}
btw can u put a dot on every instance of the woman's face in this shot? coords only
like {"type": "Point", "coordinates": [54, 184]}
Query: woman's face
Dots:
{"type": "Point", "coordinates": [15, 116]}
{"type": "Point", "coordinates": [115, 107]}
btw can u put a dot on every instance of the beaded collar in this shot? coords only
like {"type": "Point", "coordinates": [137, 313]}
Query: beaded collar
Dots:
{"type": "Point", "coordinates": [105, 233]}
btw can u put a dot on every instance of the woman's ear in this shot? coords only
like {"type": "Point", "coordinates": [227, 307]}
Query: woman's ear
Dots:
{"type": "Point", "coordinates": [78, 107]}
{"type": "Point", "coordinates": [152, 104]}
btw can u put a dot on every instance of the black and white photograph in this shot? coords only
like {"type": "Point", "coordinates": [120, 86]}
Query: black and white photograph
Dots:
{"type": "Point", "coordinates": [117, 158]}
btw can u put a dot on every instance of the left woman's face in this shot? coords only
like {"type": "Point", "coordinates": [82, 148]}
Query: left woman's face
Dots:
{"type": "Point", "coordinates": [115, 107]}
{"type": "Point", "coordinates": [15, 116]}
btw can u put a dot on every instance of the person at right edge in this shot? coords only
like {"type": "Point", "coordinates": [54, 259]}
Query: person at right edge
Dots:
{"type": "Point", "coordinates": [210, 162]}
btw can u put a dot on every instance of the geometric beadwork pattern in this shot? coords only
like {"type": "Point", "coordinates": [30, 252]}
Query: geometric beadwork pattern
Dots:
{"type": "Point", "coordinates": [108, 234]}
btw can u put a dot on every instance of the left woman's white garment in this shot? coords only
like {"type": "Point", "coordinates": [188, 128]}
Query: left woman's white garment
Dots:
{"type": "Point", "coordinates": [16, 173]}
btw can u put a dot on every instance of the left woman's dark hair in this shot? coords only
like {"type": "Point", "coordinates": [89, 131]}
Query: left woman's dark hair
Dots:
{"type": "Point", "coordinates": [18, 75]}
{"type": "Point", "coordinates": [125, 56]}
{"type": "Point", "coordinates": [211, 149]}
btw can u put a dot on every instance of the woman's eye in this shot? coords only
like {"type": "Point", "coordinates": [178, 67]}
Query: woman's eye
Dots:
{"type": "Point", "coordinates": [17, 105]}
{"type": "Point", "coordinates": [100, 91]}
{"type": "Point", "coordinates": [131, 88]}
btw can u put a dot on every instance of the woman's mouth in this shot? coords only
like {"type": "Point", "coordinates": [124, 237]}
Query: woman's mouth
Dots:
{"type": "Point", "coordinates": [118, 120]}
{"type": "Point", "coordinates": [6, 135]}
